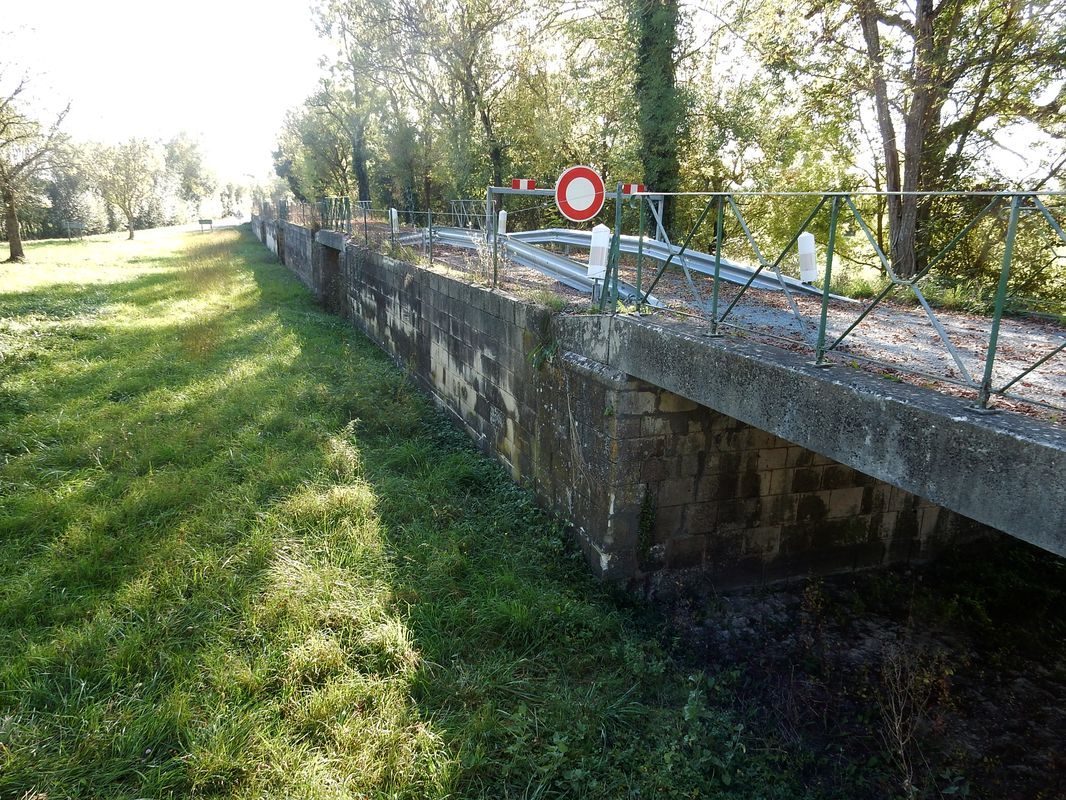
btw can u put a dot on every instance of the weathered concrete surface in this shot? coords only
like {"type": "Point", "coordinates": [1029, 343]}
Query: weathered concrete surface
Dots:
{"type": "Point", "coordinates": [1004, 470]}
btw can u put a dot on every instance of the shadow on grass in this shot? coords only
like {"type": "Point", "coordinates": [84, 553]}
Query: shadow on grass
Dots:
{"type": "Point", "coordinates": [242, 556]}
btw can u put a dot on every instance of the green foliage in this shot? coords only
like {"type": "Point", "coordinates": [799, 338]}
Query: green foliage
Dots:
{"type": "Point", "coordinates": [132, 178]}
{"type": "Point", "coordinates": [659, 103]}
{"type": "Point", "coordinates": [185, 163]}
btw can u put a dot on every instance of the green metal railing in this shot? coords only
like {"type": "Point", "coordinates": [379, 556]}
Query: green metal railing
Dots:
{"type": "Point", "coordinates": [841, 205]}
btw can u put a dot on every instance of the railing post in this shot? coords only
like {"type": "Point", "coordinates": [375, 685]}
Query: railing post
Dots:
{"type": "Point", "coordinates": [429, 232]}
{"type": "Point", "coordinates": [494, 227]}
{"type": "Point", "coordinates": [616, 248]}
{"type": "Point", "coordinates": [834, 212]}
{"type": "Point", "coordinates": [640, 248]}
{"type": "Point", "coordinates": [985, 391]}
{"type": "Point", "coordinates": [718, 229]}
{"type": "Point", "coordinates": [366, 229]}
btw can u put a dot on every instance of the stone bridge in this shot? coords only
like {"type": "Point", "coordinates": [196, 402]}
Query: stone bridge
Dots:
{"type": "Point", "coordinates": [678, 457]}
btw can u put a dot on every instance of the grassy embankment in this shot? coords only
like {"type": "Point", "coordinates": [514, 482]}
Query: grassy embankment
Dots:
{"type": "Point", "coordinates": [240, 556]}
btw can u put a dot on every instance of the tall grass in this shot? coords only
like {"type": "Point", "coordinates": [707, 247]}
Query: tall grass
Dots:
{"type": "Point", "coordinates": [240, 557]}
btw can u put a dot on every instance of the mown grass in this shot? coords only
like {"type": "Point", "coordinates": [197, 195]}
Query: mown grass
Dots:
{"type": "Point", "coordinates": [241, 557]}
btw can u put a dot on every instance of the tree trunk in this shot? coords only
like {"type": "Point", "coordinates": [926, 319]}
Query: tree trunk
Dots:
{"type": "Point", "coordinates": [359, 159]}
{"type": "Point", "coordinates": [868, 14]}
{"type": "Point", "coordinates": [14, 235]}
{"type": "Point", "coordinates": [659, 111]}
{"type": "Point", "coordinates": [129, 224]}
{"type": "Point", "coordinates": [496, 156]}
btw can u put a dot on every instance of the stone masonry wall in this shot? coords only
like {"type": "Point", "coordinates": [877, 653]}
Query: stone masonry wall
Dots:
{"type": "Point", "coordinates": [490, 360]}
{"type": "Point", "coordinates": [296, 251]}
{"type": "Point", "coordinates": [658, 489]}
{"type": "Point", "coordinates": [734, 502]}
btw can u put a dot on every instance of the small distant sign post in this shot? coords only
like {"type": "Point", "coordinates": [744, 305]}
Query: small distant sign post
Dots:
{"type": "Point", "coordinates": [207, 224]}
{"type": "Point", "coordinates": [579, 193]}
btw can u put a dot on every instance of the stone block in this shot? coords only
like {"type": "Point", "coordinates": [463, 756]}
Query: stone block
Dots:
{"type": "Point", "coordinates": [806, 479]}
{"type": "Point", "coordinates": [657, 469]}
{"type": "Point", "coordinates": [928, 519]}
{"type": "Point", "coordinates": [780, 482]}
{"type": "Point", "coordinates": [692, 465]}
{"type": "Point", "coordinates": [762, 542]}
{"type": "Point", "coordinates": [685, 552]}
{"type": "Point", "coordinates": [773, 458]}
{"type": "Point", "coordinates": [701, 518]}
{"type": "Point", "coordinates": [845, 502]}
{"type": "Point", "coordinates": [739, 514]}
{"type": "Point", "coordinates": [672, 403]}
{"type": "Point", "coordinates": [760, 440]}
{"type": "Point", "coordinates": [800, 457]}
{"type": "Point", "coordinates": [669, 523]}
{"type": "Point", "coordinates": [812, 507]}
{"type": "Point", "coordinates": [837, 476]}
{"type": "Point", "coordinates": [655, 425]}
{"type": "Point", "coordinates": [750, 483]}
{"type": "Point", "coordinates": [640, 402]}
{"type": "Point", "coordinates": [780, 509]}
{"type": "Point", "coordinates": [677, 492]}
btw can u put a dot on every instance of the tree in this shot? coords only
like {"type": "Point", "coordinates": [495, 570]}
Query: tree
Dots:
{"type": "Point", "coordinates": [660, 110]}
{"type": "Point", "coordinates": [185, 162]}
{"type": "Point", "coordinates": [944, 81]}
{"type": "Point", "coordinates": [26, 148]}
{"type": "Point", "coordinates": [353, 91]}
{"type": "Point", "coordinates": [126, 176]}
{"type": "Point", "coordinates": [314, 153]}
{"type": "Point", "coordinates": [68, 190]}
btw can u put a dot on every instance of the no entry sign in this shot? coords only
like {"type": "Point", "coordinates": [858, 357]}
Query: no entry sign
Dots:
{"type": "Point", "coordinates": [579, 193]}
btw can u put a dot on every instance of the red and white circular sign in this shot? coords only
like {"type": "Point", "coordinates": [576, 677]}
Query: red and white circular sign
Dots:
{"type": "Point", "coordinates": [579, 193]}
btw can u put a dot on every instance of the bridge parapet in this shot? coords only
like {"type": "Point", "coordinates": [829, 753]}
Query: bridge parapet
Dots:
{"type": "Point", "coordinates": [677, 455]}
{"type": "Point", "coordinates": [1005, 471]}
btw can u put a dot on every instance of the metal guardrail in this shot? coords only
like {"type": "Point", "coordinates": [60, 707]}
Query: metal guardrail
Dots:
{"type": "Point", "coordinates": [730, 271]}
{"type": "Point", "coordinates": [560, 268]}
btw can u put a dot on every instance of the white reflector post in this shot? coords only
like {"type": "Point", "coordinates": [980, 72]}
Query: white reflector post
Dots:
{"type": "Point", "coordinates": [808, 258]}
{"type": "Point", "coordinates": [501, 225]}
{"type": "Point", "coordinates": [601, 243]}
{"type": "Point", "coordinates": [394, 220]}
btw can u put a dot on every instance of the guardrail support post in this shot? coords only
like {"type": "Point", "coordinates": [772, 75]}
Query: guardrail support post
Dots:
{"type": "Point", "coordinates": [494, 227]}
{"type": "Point", "coordinates": [640, 249]}
{"type": "Point", "coordinates": [718, 229]}
{"type": "Point", "coordinates": [834, 213]}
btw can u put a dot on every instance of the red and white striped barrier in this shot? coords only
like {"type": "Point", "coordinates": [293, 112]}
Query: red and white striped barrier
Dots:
{"type": "Point", "coordinates": [632, 188]}
{"type": "Point", "coordinates": [523, 183]}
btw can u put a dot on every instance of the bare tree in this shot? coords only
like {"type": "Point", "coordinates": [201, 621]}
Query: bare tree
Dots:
{"type": "Point", "coordinates": [26, 147]}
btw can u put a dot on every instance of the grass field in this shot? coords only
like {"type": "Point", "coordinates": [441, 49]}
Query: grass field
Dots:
{"type": "Point", "coordinates": [241, 557]}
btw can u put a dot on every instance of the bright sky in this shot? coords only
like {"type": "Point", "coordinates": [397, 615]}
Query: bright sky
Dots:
{"type": "Point", "coordinates": [223, 70]}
